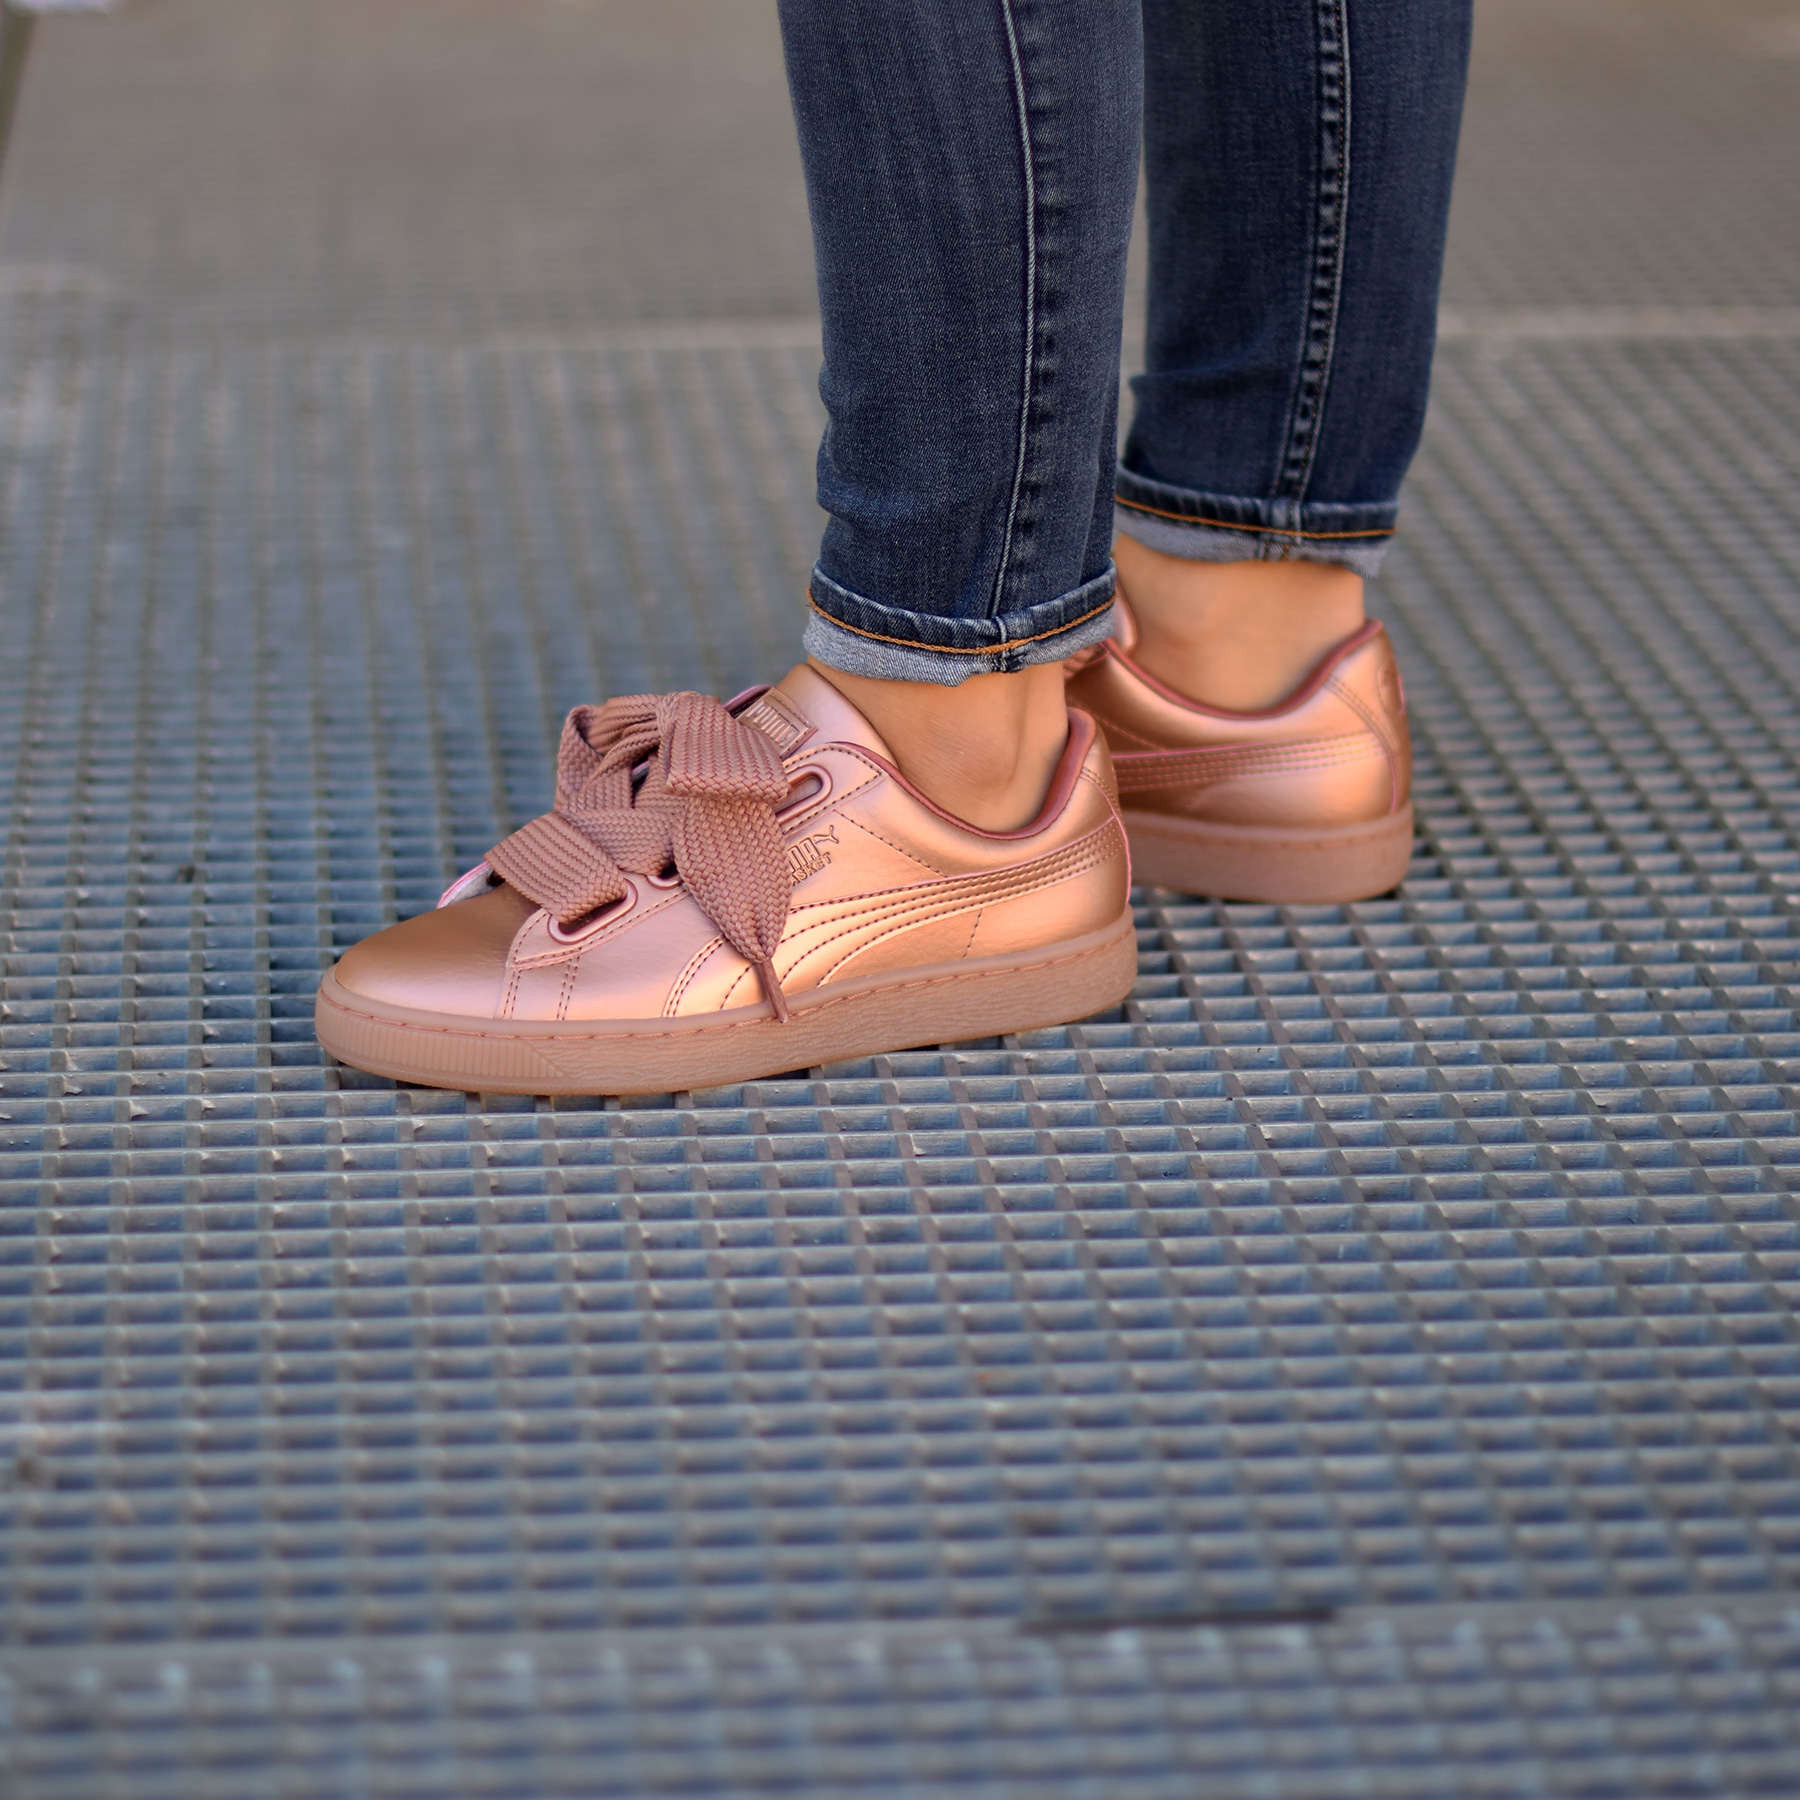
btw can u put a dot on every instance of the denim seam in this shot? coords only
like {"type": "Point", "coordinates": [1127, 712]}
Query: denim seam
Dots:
{"type": "Point", "coordinates": [1026, 395]}
{"type": "Point", "coordinates": [957, 650]}
{"type": "Point", "coordinates": [1326, 277]}
{"type": "Point", "coordinates": [1228, 525]}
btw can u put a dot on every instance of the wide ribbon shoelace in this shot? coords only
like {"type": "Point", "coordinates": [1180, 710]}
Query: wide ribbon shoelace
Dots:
{"type": "Point", "coordinates": [704, 807]}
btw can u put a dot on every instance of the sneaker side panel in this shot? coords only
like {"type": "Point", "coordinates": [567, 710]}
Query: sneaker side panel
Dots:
{"type": "Point", "coordinates": [1340, 756]}
{"type": "Point", "coordinates": [917, 891]}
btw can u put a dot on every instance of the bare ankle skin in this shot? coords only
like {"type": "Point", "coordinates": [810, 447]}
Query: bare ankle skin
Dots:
{"type": "Point", "coordinates": [984, 751]}
{"type": "Point", "coordinates": [1236, 636]}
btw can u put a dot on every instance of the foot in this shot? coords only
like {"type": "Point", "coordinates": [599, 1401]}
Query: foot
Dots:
{"type": "Point", "coordinates": [1308, 800]}
{"type": "Point", "coordinates": [984, 750]}
{"type": "Point", "coordinates": [769, 893]}
{"type": "Point", "coordinates": [1241, 636]}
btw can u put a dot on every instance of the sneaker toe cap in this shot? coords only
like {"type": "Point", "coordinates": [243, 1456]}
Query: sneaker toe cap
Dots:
{"type": "Point", "coordinates": [451, 961]}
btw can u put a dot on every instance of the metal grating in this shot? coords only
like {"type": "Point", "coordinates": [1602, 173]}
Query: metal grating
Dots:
{"type": "Point", "coordinates": [1679, 1702]}
{"type": "Point", "coordinates": [1628, 152]}
{"type": "Point", "coordinates": [1435, 1251]}
{"type": "Point", "coordinates": [1364, 1366]}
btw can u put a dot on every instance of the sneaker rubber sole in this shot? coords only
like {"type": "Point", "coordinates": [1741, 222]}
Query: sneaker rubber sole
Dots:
{"type": "Point", "coordinates": [1270, 863]}
{"type": "Point", "coordinates": [936, 1004]}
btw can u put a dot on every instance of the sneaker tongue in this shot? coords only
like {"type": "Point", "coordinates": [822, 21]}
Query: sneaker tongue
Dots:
{"type": "Point", "coordinates": [805, 704]}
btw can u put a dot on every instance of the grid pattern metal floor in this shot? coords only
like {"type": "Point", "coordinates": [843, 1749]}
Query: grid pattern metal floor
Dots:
{"type": "Point", "coordinates": [1363, 1366]}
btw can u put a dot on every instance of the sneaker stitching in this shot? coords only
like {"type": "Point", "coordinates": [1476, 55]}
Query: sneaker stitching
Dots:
{"type": "Point", "coordinates": [1056, 865]}
{"type": "Point", "coordinates": [1067, 871]}
{"type": "Point", "coordinates": [521, 1037]}
{"type": "Point", "coordinates": [1389, 747]}
{"type": "Point", "coordinates": [1175, 768]}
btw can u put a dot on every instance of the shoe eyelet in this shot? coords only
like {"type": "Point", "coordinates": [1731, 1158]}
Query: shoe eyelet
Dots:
{"type": "Point", "coordinates": [573, 934]}
{"type": "Point", "coordinates": [813, 795]}
{"type": "Point", "coordinates": [671, 880]}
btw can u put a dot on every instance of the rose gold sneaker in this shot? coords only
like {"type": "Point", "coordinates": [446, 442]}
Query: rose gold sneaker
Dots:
{"type": "Point", "coordinates": [731, 891]}
{"type": "Point", "coordinates": [1308, 801]}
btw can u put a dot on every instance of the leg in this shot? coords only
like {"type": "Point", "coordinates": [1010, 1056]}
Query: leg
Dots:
{"type": "Point", "coordinates": [1298, 155]}
{"type": "Point", "coordinates": [911, 838]}
{"type": "Point", "coordinates": [970, 166]}
{"type": "Point", "coordinates": [984, 750]}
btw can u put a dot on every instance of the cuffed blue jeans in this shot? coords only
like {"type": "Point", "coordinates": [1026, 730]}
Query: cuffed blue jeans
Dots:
{"type": "Point", "coordinates": [971, 167]}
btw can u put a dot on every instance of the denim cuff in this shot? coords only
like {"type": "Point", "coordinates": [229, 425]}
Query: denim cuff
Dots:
{"type": "Point", "coordinates": [1228, 528]}
{"type": "Point", "coordinates": [863, 637]}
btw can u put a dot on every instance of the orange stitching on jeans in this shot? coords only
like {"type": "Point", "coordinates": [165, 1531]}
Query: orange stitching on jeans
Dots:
{"type": "Point", "coordinates": [1223, 525]}
{"type": "Point", "coordinates": [948, 650]}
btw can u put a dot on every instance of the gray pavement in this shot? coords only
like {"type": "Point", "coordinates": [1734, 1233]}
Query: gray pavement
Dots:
{"type": "Point", "coordinates": [250, 169]}
{"type": "Point", "coordinates": [1362, 1366]}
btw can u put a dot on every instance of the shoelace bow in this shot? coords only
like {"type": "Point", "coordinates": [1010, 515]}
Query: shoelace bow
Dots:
{"type": "Point", "coordinates": [705, 807]}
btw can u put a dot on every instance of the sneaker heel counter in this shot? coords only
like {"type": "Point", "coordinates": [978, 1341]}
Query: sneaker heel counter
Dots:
{"type": "Point", "coordinates": [1097, 765]}
{"type": "Point", "coordinates": [1391, 695]}
{"type": "Point", "coordinates": [1372, 676]}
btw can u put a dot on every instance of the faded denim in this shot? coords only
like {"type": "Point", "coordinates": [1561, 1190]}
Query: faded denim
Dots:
{"type": "Point", "coordinates": [971, 167]}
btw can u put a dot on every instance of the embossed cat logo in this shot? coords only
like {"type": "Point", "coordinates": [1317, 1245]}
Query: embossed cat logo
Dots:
{"type": "Point", "coordinates": [808, 855]}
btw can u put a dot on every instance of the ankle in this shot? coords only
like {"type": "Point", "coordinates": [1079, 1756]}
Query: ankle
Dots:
{"type": "Point", "coordinates": [985, 751]}
{"type": "Point", "coordinates": [1236, 636]}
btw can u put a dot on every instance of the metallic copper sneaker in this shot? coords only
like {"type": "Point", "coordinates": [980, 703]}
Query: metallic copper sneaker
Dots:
{"type": "Point", "coordinates": [1308, 801]}
{"type": "Point", "coordinates": [731, 891]}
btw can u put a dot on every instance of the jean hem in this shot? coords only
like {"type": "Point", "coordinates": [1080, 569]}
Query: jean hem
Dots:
{"type": "Point", "coordinates": [1232, 528]}
{"type": "Point", "coordinates": [864, 637]}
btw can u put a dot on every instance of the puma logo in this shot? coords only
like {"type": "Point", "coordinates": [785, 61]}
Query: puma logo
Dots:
{"type": "Point", "coordinates": [808, 855]}
{"type": "Point", "coordinates": [776, 720]}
